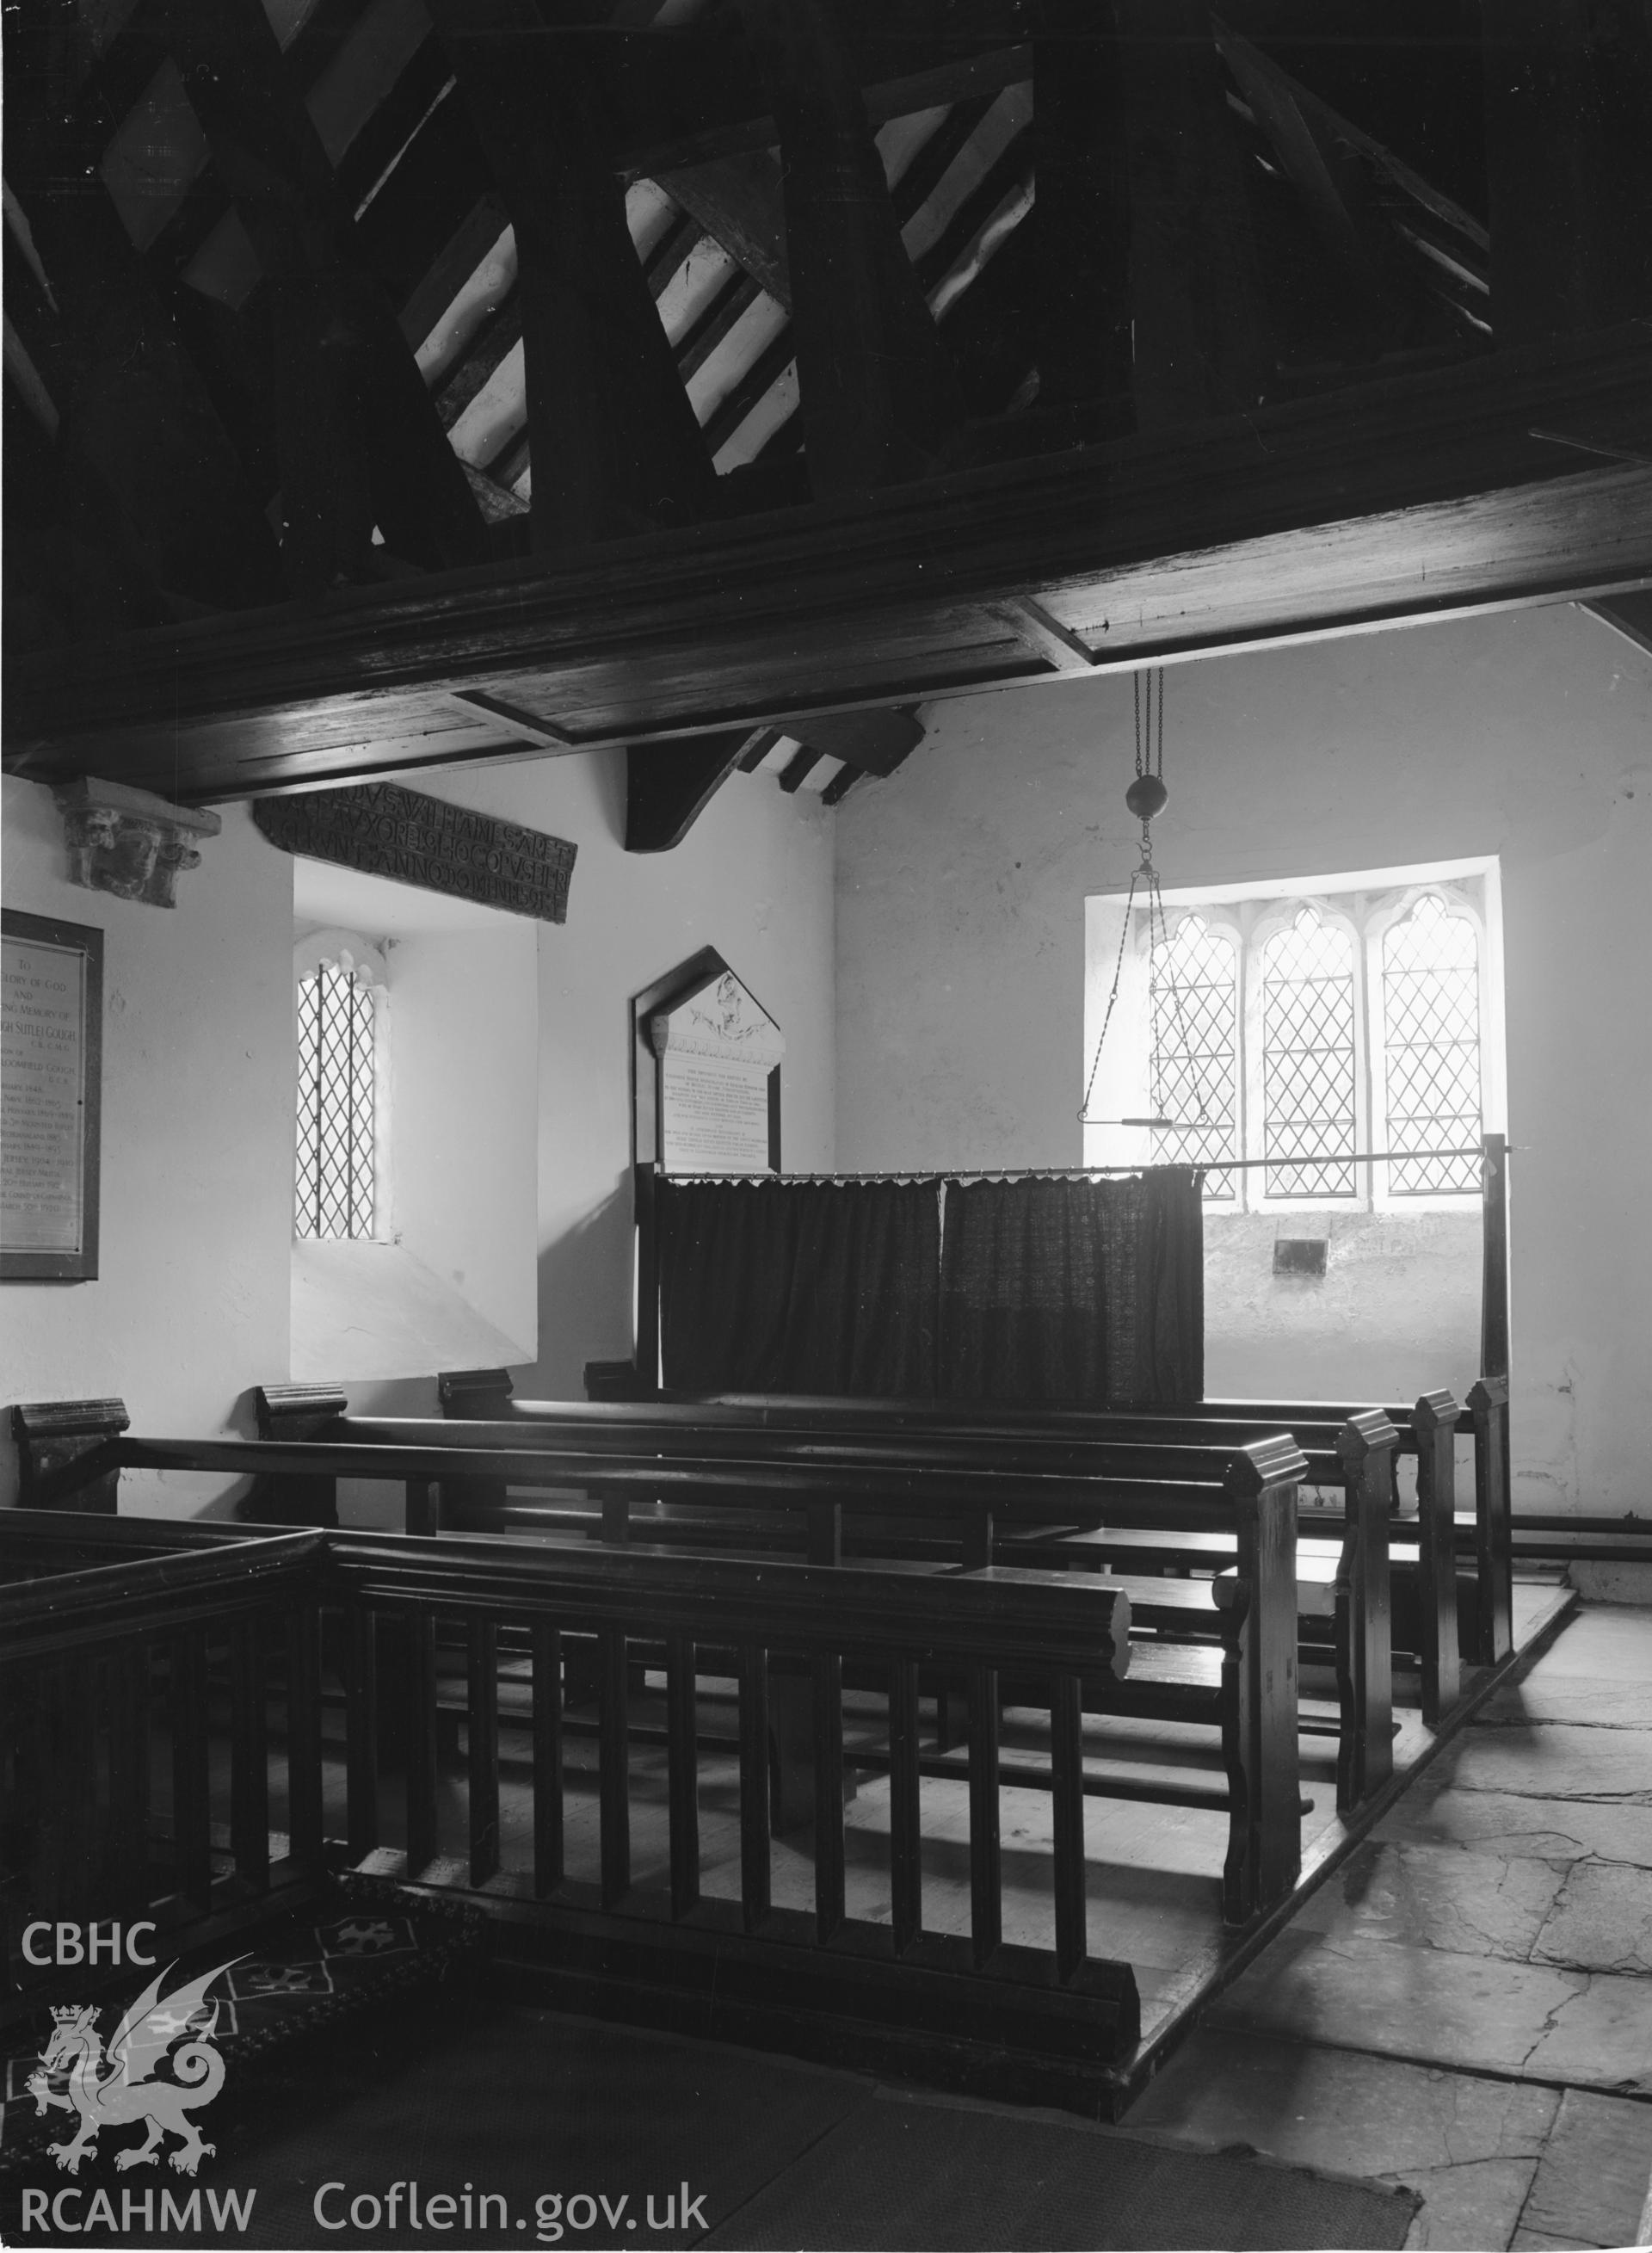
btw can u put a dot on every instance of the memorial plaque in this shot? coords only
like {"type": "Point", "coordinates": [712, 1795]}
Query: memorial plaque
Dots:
{"type": "Point", "coordinates": [51, 1046]}
{"type": "Point", "coordinates": [718, 1052]}
{"type": "Point", "coordinates": [386, 831]}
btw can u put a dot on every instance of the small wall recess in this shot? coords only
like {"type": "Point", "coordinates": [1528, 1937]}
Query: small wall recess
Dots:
{"type": "Point", "coordinates": [1299, 1255]}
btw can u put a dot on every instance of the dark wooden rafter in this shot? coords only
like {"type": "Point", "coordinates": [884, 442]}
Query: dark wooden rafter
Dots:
{"type": "Point", "coordinates": [992, 331]}
{"type": "Point", "coordinates": [1569, 163]}
{"type": "Point", "coordinates": [461, 253]}
{"type": "Point", "coordinates": [755, 749]}
{"type": "Point", "coordinates": [730, 305]}
{"type": "Point", "coordinates": [669, 786]}
{"type": "Point", "coordinates": [496, 338]}
{"type": "Point", "coordinates": [1629, 615]}
{"type": "Point", "coordinates": [874, 742]}
{"type": "Point", "coordinates": [739, 399]}
{"type": "Point", "coordinates": [668, 254]}
{"type": "Point", "coordinates": [1011, 170]}
{"type": "Point", "coordinates": [1082, 338]}
{"type": "Point", "coordinates": [738, 201]}
{"type": "Point", "coordinates": [961, 77]}
{"type": "Point", "coordinates": [1201, 342]}
{"type": "Point", "coordinates": [929, 164]}
{"type": "Point", "coordinates": [360, 444]}
{"type": "Point", "coordinates": [137, 421]}
{"type": "Point", "coordinates": [613, 439]}
{"type": "Point", "coordinates": [798, 768]}
{"type": "Point", "coordinates": [879, 392]}
{"type": "Point", "coordinates": [316, 47]}
{"type": "Point", "coordinates": [393, 128]}
{"type": "Point", "coordinates": [1326, 175]}
{"type": "Point", "coordinates": [405, 215]}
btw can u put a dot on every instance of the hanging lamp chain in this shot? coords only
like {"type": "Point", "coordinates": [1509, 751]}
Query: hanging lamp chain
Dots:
{"type": "Point", "coordinates": [1149, 754]}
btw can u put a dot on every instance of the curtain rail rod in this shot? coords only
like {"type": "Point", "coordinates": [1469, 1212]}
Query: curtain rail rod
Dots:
{"type": "Point", "coordinates": [1080, 1173]}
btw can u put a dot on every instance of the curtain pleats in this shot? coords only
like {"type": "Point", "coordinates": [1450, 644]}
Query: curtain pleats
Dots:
{"type": "Point", "coordinates": [798, 1286]}
{"type": "Point", "coordinates": [1042, 1290]}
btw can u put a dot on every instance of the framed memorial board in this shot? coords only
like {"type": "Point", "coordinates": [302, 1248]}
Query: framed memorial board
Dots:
{"type": "Point", "coordinates": [718, 1080]}
{"type": "Point", "coordinates": [50, 1076]}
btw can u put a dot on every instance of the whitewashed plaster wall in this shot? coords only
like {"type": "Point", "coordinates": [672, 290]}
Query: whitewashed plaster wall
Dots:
{"type": "Point", "coordinates": [754, 878]}
{"type": "Point", "coordinates": [189, 1305]}
{"type": "Point", "coordinates": [192, 1305]}
{"type": "Point", "coordinates": [961, 884]}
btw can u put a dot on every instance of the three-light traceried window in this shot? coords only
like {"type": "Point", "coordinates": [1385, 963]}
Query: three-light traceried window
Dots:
{"type": "Point", "coordinates": [336, 1182]}
{"type": "Point", "coordinates": [1299, 1034]}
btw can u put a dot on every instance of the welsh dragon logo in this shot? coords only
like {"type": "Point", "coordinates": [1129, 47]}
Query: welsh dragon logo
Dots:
{"type": "Point", "coordinates": [127, 2091]}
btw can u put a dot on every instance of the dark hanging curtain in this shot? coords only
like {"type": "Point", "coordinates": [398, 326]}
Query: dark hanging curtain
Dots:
{"type": "Point", "coordinates": [1074, 1291]}
{"type": "Point", "coordinates": [798, 1286]}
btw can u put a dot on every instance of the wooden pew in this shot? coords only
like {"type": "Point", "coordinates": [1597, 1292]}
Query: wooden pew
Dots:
{"type": "Point", "coordinates": [1484, 1418]}
{"type": "Point", "coordinates": [1428, 1569]}
{"type": "Point", "coordinates": [1223, 1653]}
{"type": "Point", "coordinates": [685, 1504]}
{"type": "Point", "coordinates": [1344, 1583]}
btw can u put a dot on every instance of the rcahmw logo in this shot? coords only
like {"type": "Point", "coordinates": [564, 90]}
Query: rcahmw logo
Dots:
{"type": "Point", "coordinates": [122, 2090]}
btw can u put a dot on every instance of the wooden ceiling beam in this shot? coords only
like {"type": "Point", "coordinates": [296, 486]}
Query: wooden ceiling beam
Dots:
{"type": "Point", "coordinates": [878, 388]}
{"type": "Point", "coordinates": [1414, 496]}
{"type": "Point", "coordinates": [358, 440]}
{"type": "Point", "coordinates": [613, 439]}
{"type": "Point", "coordinates": [1202, 347]}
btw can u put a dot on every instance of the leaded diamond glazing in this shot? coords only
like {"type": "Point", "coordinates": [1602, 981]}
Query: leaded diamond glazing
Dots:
{"type": "Point", "coordinates": [1431, 1027]}
{"type": "Point", "coordinates": [1308, 1057]}
{"type": "Point", "coordinates": [1193, 986]}
{"type": "Point", "coordinates": [334, 1192]}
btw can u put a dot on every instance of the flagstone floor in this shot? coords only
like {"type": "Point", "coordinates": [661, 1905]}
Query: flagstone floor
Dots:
{"type": "Point", "coordinates": [1466, 2006]}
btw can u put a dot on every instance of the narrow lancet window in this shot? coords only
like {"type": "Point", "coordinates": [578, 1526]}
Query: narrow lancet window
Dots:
{"type": "Point", "coordinates": [337, 1070]}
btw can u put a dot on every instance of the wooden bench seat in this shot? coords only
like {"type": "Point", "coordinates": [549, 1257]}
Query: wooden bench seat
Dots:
{"type": "Point", "coordinates": [983, 1434]}
{"type": "Point", "coordinates": [1252, 1614]}
{"type": "Point", "coordinates": [1102, 1478]}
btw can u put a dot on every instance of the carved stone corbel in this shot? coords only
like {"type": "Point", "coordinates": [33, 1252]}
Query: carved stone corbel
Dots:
{"type": "Point", "coordinates": [129, 842]}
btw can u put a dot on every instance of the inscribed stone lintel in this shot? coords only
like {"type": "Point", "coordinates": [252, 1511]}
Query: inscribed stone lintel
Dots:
{"type": "Point", "coordinates": [717, 1049]}
{"type": "Point", "coordinates": [386, 831]}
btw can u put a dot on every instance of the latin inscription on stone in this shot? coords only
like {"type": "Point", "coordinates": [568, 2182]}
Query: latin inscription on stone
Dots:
{"type": "Point", "coordinates": [386, 831]}
{"type": "Point", "coordinates": [42, 1068]}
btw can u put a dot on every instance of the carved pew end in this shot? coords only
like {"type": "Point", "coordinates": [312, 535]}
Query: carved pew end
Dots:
{"type": "Point", "coordinates": [50, 1434]}
{"type": "Point", "coordinates": [294, 1411]}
